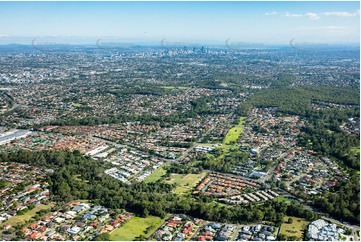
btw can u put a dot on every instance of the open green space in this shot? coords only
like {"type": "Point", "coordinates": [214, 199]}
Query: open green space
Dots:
{"type": "Point", "coordinates": [174, 178]}
{"type": "Point", "coordinates": [156, 175]}
{"type": "Point", "coordinates": [234, 132]}
{"type": "Point", "coordinates": [355, 151]}
{"type": "Point", "coordinates": [78, 178]}
{"type": "Point", "coordinates": [174, 87]}
{"type": "Point", "coordinates": [296, 228]}
{"type": "Point", "coordinates": [3, 184]}
{"type": "Point", "coordinates": [185, 182]}
{"type": "Point", "coordinates": [330, 131]}
{"type": "Point", "coordinates": [77, 105]}
{"type": "Point", "coordinates": [136, 227]}
{"type": "Point", "coordinates": [208, 145]}
{"type": "Point", "coordinates": [283, 199]}
{"type": "Point", "coordinates": [22, 218]}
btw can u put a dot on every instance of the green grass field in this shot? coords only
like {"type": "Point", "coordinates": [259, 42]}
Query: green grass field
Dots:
{"type": "Point", "coordinates": [355, 151]}
{"type": "Point", "coordinates": [22, 218]}
{"type": "Point", "coordinates": [135, 227]}
{"type": "Point", "coordinates": [283, 199]}
{"type": "Point", "coordinates": [296, 228]}
{"type": "Point", "coordinates": [185, 182]}
{"type": "Point", "coordinates": [208, 145]}
{"type": "Point", "coordinates": [330, 131]}
{"type": "Point", "coordinates": [188, 182]}
{"type": "Point", "coordinates": [234, 132]}
{"type": "Point", "coordinates": [155, 176]}
{"type": "Point", "coordinates": [77, 105]}
{"type": "Point", "coordinates": [174, 87]}
{"type": "Point", "coordinates": [78, 178]}
{"type": "Point", "coordinates": [174, 178]}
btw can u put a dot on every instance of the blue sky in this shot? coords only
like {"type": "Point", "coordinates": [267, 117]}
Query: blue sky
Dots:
{"type": "Point", "coordinates": [261, 22]}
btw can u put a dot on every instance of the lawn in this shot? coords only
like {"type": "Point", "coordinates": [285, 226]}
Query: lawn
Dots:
{"type": "Point", "coordinates": [296, 228]}
{"type": "Point", "coordinates": [185, 182]}
{"type": "Point", "coordinates": [135, 227]}
{"type": "Point", "coordinates": [234, 132]}
{"type": "Point", "coordinates": [22, 218]}
{"type": "Point", "coordinates": [155, 176]}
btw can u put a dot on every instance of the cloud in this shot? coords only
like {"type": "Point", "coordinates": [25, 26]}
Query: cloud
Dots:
{"type": "Point", "coordinates": [315, 16]}
{"type": "Point", "coordinates": [312, 16]}
{"type": "Point", "coordinates": [271, 13]}
{"type": "Point", "coordinates": [287, 14]}
{"type": "Point", "coordinates": [342, 14]}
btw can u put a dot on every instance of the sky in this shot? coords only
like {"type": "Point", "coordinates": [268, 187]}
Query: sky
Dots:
{"type": "Point", "coordinates": [195, 22]}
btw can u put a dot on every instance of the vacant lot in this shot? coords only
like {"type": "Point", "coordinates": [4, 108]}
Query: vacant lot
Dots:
{"type": "Point", "coordinates": [185, 182]}
{"type": "Point", "coordinates": [174, 178]}
{"type": "Point", "coordinates": [155, 176]}
{"type": "Point", "coordinates": [234, 132]}
{"type": "Point", "coordinates": [22, 218]}
{"type": "Point", "coordinates": [296, 228]}
{"type": "Point", "coordinates": [135, 227]}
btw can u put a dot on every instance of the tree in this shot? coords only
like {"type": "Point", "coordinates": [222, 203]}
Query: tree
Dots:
{"type": "Point", "coordinates": [258, 215]}
{"type": "Point", "coordinates": [140, 238]}
{"type": "Point", "coordinates": [103, 237]}
{"type": "Point", "coordinates": [145, 213]}
{"type": "Point", "coordinates": [3, 184]}
{"type": "Point", "coordinates": [281, 237]}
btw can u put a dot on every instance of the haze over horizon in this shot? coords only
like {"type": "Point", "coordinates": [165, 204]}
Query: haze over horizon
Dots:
{"type": "Point", "coordinates": [199, 22]}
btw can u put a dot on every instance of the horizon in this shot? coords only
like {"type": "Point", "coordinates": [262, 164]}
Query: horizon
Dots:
{"type": "Point", "coordinates": [197, 22]}
{"type": "Point", "coordinates": [66, 41]}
